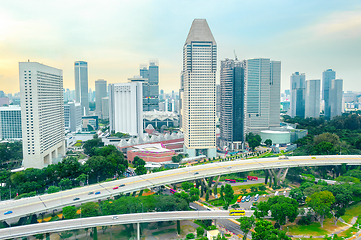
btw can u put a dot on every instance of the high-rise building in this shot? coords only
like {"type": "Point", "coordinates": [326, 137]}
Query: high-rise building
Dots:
{"type": "Point", "coordinates": [199, 82]}
{"type": "Point", "coordinates": [100, 92]}
{"type": "Point", "coordinates": [335, 97]}
{"type": "Point", "coordinates": [218, 100]}
{"type": "Point", "coordinates": [298, 86]}
{"type": "Point", "coordinates": [327, 76]}
{"type": "Point", "coordinates": [72, 117]}
{"type": "Point", "coordinates": [42, 114]}
{"type": "Point", "coordinates": [126, 108]}
{"type": "Point", "coordinates": [105, 107]}
{"type": "Point", "coordinates": [232, 104]}
{"type": "Point", "coordinates": [10, 123]}
{"type": "Point", "coordinates": [81, 85]}
{"type": "Point", "coordinates": [2, 94]}
{"type": "Point", "coordinates": [312, 100]}
{"type": "Point", "coordinates": [262, 78]}
{"type": "Point", "coordinates": [151, 88]}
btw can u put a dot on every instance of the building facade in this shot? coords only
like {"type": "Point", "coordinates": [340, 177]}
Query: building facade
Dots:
{"type": "Point", "coordinates": [298, 86]}
{"type": "Point", "coordinates": [199, 82]}
{"type": "Point", "coordinates": [335, 98]}
{"type": "Point", "coordinates": [126, 108]}
{"type": "Point", "coordinates": [105, 107]}
{"type": "Point", "coordinates": [42, 114]}
{"type": "Point", "coordinates": [151, 89]}
{"type": "Point", "coordinates": [100, 92]}
{"type": "Point", "coordinates": [262, 77]}
{"type": "Point", "coordinates": [81, 85]}
{"type": "Point", "coordinates": [327, 77]}
{"type": "Point", "coordinates": [72, 117]}
{"type": "Point", "coordinates": [313, 96]}
{"type": "Point", "coordinates": [232, 104]}
{"type": "Point", "coordinates": [10, 123]}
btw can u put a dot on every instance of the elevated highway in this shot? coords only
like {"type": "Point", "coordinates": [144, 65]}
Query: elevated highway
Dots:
{"type": "Point", "coordinates": [48, 202]}
{"type": "Point", "coordinates": [64, 225]}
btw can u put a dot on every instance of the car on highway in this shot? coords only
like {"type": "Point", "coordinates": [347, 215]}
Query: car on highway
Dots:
{"type": "Point", "coordinates": [97, 193]}
{"type": "Point", "coordinates": [115, 217]}
{"type": "Point", "coordinates": [282, 157]}
{"type": "Point", "coordinates": [75, 199]}
{"type": "Point", "coordinates": [90, 193]}
{"type": "Point", "coordinates": [8, 212]}
{"type": "Point", "coordinates": [122, 185]}
{"type": "Point", "coordinates": [194, 208]}
{"type": "Point", "coordinates": [115, 187]}
{"type": "Point", "coordinates": [248, 198]}
{"type": "Point", "coordinates": [196, 173]}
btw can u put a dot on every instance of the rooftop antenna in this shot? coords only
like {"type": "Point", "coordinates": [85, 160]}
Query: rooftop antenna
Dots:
{"type": "Point", "coordinates": [235, 56]}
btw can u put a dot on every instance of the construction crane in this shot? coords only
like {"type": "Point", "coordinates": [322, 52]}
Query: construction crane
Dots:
{"type": "Point", "coordinates": [235, 56]}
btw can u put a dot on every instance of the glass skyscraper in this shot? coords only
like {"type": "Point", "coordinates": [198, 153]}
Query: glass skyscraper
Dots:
{"type": "Point", "coordinates": [298, 86]}
{"type": "Point", "coordinates": [151, 86]}
{"type": "Point", "coordinates": [81, 85]}
{"type": "Point", "coordinates": [327, 77]}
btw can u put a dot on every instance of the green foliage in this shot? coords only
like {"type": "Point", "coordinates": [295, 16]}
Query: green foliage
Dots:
{"type": "Point", "coordinates": [186, 186]}
{"type": "Point", "coordinates": [246, 224]}
{"type": "Point", "coordinates": [177, 158]}
{"type": "Point", "coordinates": [65, 183]}
{"type": "Point", "coordinates": [91, 145]}
{"type": "Point", "coordinates": [140, 170]}
{"type": "Point", "coordinates": [190, 236]}
{"type": "Point", "coordinates": [265, 231]}
{"type": "Point", "coordinates": [200, 231]}
{"type": "Point", "coordinates": [90, 209]}
{"type": "Point", "coordinates": [347, 179]}
{"type": "Point", "coordinates": [119, 134]}
{"type": "Point", "coordinates": [69, 212]}
{"type": "Point", "coordinates": [207, 196]}
{"type": "Point", "coordinates": [194, 194]}
{"type": "Point", "coordinates": [320, 203]}
{"type": "Point", "coordinates": [254, 140]}
{"type": "Point", "coordinates": [268, 142]}
{"type": "Point", "coordinates": [137, 161]}
{"type": "Point", "coordinates": [11, 155]}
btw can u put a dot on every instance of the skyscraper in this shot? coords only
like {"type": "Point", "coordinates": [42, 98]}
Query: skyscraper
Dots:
{"type": "Point", "coordinates": [100, 92]}
{"type": "Point", "coordinates": [327, 76]}
{"type": "Point", "coordinates": [298, 85]}
{"type": "Point", "coordinates": [81, 85]}
{"type": "Point", "coordinates": [335, 97]}
{"type": "Point", "coordinates": [42, 114]}
{"type": "Point", "coordinates": [105, 107]}
{"type": "Point", "coordinates": [72, 117]}
{"type": "Point", "coordinates": [232, 104]}
{"type": "Point", "coordinates": [10, 122]}
{"type": "Point", "coordinates": [312, 100]}
{"type": "Point", "coordinates": [151, 89]}
{"type": "Point", "coordinates": [262, 78]}
{"type": "Point", "coordinates": [199, 82]}
{"type": "Point", "coordinates": [126, 108]}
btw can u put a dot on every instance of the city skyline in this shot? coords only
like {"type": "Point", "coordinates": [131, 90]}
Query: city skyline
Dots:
{"type": "Point", "coordinates": [115, 49]}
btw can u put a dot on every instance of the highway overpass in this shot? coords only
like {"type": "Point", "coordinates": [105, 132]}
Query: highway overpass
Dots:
{"type": "Point", "coordinates": [59, 226]}
{"type": "Point", "coordinates": [48, 202]}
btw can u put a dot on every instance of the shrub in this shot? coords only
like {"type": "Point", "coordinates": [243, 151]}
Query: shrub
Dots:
{"type": "Point", "coordinates": [190, 236]}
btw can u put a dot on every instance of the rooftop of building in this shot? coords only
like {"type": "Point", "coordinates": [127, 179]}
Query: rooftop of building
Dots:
{"type": "Point", "coordinates": [151, 148]}
{"type": "Point", "coordinates": [200, 32]}
{"type": "Point", "coordinates": [160, 115]}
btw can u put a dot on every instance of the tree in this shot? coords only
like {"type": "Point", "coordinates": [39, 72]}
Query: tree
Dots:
{"type": "Point", "coordinates": [65, 183]}
{"type": "Point", "coordinates": [200, 232]}
{"type": "Point", "coordinates": [66, 234]}
{"type": "Point", "coordinates": [39, 236]}
{"type": "Point", "coordinates": [246, 224]}
{"type": "Point", "coordinates": [138, 161]}
{"type": "Point", "coordinates": [297, 194]}
{"type": "Point", "coordinates": [53, 189]}
{"type": "Point", "coordinates": [265, 231]}
{"type": "Point", "coordinates": [186, 186]}
{"type": "Point", "coordinates": [254, 189]}
{"type": "Point", "coordinates": [140, 170]}
{"type": "Point", "coordinates": [207, 196]}
{"type": "Point", "coordinates": [268, 142]}
{"type": "Point", "coordinates": [320, 203]}
{"type": "Point", "coordinates": [69, 212]}
{"type": "Point", "coordinates": [283, 208]}
{"type": "Point", "coordinates": [194, 194]}
{"type": "Point", "coordinates": [253, 140]}
{"type": "Point", "coordinates": [228, 195]}
{"type": "Point", "coordinates": [90, 209]}
{"type": "Point", "coordinates": [90, 145]}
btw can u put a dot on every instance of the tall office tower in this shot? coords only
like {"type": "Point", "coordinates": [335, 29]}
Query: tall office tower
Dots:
{"type": "Point", "coordinates": [298, 85]}
{"type": "Point", "coordinates": [72, 117]}
{"type": "Point", "coordinates": [327, 76]}
{"type": "Point", "coordinates": [2, 94]}
{"type": "Point", "coordinates": [232, 104]}
{"type": "Point", "coordinates": [312, 100]}
{"type": "Point", "coordinates": [126, 108]}
{"type": "Point", "coordinates": [105, 107]}
{"type": "Point", "coordinates": [262, 76]}
{"type": "Point", "coordinates": [335, 97]}
{"type": "Point", "coordinates": [145, 86]}
{"type": "Point", "coordinates": [218, 100]}
{"type": "Point", "coordinates": [100, 92]}
{"type": "Point", "coordinates": [161, 97]}
{"type": "Point", "coordinates": [275, 93]}
{"type": "Point", "coordinates": [90, 95]}
{"type": "Point", "coordinates": [199, 100]}
{"type": "Point", "coordinates": [150, 91]}
{"type": "Point", "coordinates": [81, 85]}
{"type": "Point", "coordinates": [10, 123]}
{"type": "Point", "coordinates": [42, 114]}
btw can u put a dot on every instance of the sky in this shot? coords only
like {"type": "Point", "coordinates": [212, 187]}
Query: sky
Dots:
{"type": "Point", "coordinates": [116, 36]}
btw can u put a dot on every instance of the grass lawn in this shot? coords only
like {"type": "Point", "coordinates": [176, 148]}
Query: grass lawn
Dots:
{"type": "Point", "coordinates": [247, 186]}
{"type": "Point", "coordinates": [348, 233]}
{"type": "Point", "coordinates": [169, 230]}
{"type": "Point", "coordinates": [353, 211]}
{"type": "Point", "coordinates": [314, 229]}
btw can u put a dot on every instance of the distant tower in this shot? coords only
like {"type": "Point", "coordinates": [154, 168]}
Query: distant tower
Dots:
{"type": "Point", "coordinates": [312, 100]}
{"type": "Point", "coordinates": [100, 92]}
{"type": "Point", "coordinates": [298, 86]}
{"type": "Point", "coordinates": [232, 104]}
{"type": "Point", "coordinates": [42, 114]}
{"type": "Point", "coordinates": [335, 98]}
{"type": "Point", "coordinates": [151, 89]}
{"type": "Point", "coordinates": [327, 77]}
{"type": "Point", "coordinates": [199, 82]}
{"type": "Point", "coordinates": [81, 85]}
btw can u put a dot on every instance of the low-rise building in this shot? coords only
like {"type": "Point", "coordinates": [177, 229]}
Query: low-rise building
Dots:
{"type": "Point", "coordinates": [155, 153]}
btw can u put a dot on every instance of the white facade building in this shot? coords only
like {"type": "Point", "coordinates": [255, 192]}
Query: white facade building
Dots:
{"type": "Point", "coordinates": [10, 123]}
{"type": "Point", "coordinates": [105, 107]}
{"type": "Point", "coordinates": [100, 93]}
{"type": "Point", "coordinates": [199, 82]}
{"type": "Point", "coordinates": [126, 108]}
{"type": "Point", "coordinates": [313, 96]}
{"type": "Point", "coordinates": [72, 116]}
{"type": "Point", "coordinates": [42, 114]}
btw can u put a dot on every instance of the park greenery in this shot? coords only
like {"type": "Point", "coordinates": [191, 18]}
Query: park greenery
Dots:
{"type": "Point", "coordinates": [11, 155]}
{"type": "Point", "coordinates": [254, 140]}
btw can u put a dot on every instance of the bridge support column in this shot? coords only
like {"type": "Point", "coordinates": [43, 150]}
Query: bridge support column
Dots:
{"type": "Point", "coordinates": [134, 193]}
{"type": "Point", "coordinates": [138, 231]}
{"type": "Point", "coordinates": [47, 236]}
{"type": "Point", "coordinates": [216, 185]}
{"type": "Point", "coordinates": [284, 175]}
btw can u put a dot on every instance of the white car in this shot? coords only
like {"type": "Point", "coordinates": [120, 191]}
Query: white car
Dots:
{"type": "Point", "coordinates": [115, 217]}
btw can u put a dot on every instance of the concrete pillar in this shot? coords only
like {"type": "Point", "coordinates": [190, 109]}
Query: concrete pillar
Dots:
{"type": "Point", "coordinates": [138, 231]}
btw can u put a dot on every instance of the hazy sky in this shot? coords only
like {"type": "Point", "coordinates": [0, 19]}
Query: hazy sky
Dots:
{"type": "Point", "coordinates": [115, 37]}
